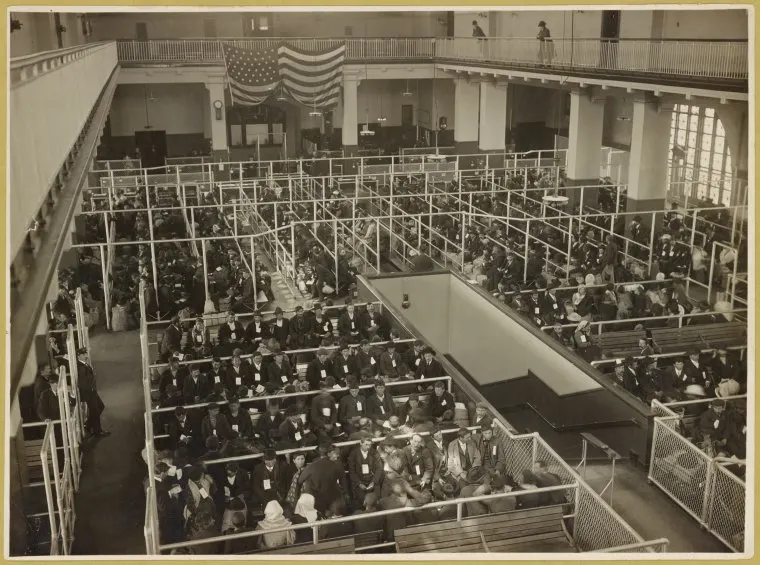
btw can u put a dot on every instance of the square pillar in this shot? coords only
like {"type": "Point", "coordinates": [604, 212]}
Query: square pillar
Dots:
{"type": "Point", "coordinates": [218, 116]}
{"type": "Point", "coordinates": [466, 116]}
{"type": "Point", "coordinates": [650, 151]}
{"type": "Point", "coordinates": [493, 117]}
{"type": "Point", "coordinates": [584, 146]}
{"type": "Point", "coordinates": [350, 112]}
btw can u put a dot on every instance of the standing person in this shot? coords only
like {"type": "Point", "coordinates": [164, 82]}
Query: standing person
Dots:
{"type": "Point", "coordinates": [545, 46]}
{"type": "Point", "coordinates": [477, 31]}
{"type": "Point", "coordinates": [88, 393]}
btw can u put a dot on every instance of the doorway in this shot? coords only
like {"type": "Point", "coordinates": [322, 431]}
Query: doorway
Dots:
{"type": "Point", "coordinates": [152, 146]}
{"type": "Point", "coordinates": [407, 116]}
{"type": "Point", "coordinates": [141, 31]}
{"type": "Point", "coordinates": [58, 29]}
{"type": "Point", "coordinates": [610, 35]}
{"type": "Point", "coordinates": [209, 28]}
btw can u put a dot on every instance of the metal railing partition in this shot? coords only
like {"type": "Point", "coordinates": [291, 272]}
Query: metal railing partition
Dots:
{"type": "Point", "coordinates": [698, 482]}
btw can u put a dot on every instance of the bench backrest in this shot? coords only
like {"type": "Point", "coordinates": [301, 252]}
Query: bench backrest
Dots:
{"type": "Point", "coordinates": [471, 532]}
{"type": "Point", "coordinates": [338, 545]}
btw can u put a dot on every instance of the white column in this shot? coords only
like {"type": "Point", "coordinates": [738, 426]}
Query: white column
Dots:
{"type": "Point", "coordinates": [466, 110]}
{"type": "Point", "coordinates": [585, 137]}
{"type": "Point", "coordinates": [218, 126]}
{"type": "Point", "coordinates": [350, 111]}
{"type": "Point", "coordinates": [493, 117]}
{"type": "Point", "coordinates": [648, 163]}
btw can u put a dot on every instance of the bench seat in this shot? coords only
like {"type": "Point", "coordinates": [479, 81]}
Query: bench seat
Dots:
{"type": "Point", "coordinates": [332, 546]}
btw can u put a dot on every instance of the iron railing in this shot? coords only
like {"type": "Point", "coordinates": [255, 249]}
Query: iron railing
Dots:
{"type": "Point", "coordinates": [704, 59]}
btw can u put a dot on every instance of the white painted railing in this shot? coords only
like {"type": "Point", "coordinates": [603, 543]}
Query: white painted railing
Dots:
{"type": "Point", "coordinates": [704, 59]}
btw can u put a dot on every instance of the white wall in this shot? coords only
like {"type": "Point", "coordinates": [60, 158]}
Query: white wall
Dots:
{"type": "Point", "coordinates": [177, 109]}
{"type": "Point", "coordinates": [562, 24]}
{"type": "Point", "coordinates": [705, 24]}
{"type": "Point", "coordinates": [617, 132]}
{"type": "Point", "coordinates": [282, 24]}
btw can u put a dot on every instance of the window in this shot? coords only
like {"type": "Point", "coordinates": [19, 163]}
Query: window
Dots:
{"type": "Point", "coordinates": [698, 132]}
{"type": "Point", "coordinates": [264, 23]}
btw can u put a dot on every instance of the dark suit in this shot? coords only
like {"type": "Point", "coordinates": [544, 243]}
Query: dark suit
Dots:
{"type": "Point", "coordinates": [325, 480]}
{"type": "Point", "coordinates": [256, 335]}
{"type": "Point", "coordinates": [280, 333]}
{"type": "Point", "coordinates": [171, 341]}
{"type": "Point", "coordinates": [280, 375]}
{"type": "Point", "coordinates": [266, 484]}
{"type": "Point", "coordinates": [441, 404]}
{"type": "Point", "coordinates": [221, 428]}
{"type": "Point", "coordinates": [350, 327]}
{"type": "Point", "coordinates": [361, 472]}
{"type": "Point", "coordinates": [350, 409]}
{"type": "Point", "coordinates": [240, 376]}
{"type": "Point", "coordinates": [343, 367]}
{"type": "Point", "coordinates": [196, 391]}
{"type": "Point", "coordinates": [88, 393]}
{"type": "Point", "coordinates": [317, 371]}
{"type": "Point", "coordinates": [380, 409]}
{"type": "Point", "coordinates": [419, 464]}
{"type": "Point", "coordinates": [431, 370]}
{"type": "Point", "coordinates": [167, 378]}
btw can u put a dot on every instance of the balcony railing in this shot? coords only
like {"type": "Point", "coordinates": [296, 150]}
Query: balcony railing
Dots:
{"type": "Point", "coordinates": [717, 60]}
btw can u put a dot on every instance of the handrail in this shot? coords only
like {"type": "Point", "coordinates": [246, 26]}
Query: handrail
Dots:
{"type": "Point", "coordinates": [27, 66]}
{"type": "Point", "coordinates": [651, 318]}
{"type": "Point", "coordinates": [357, 517]}
{"type": "Point", "coordinates": [660, 355]}
{"type": "Point", "coordinates": [296, 394]}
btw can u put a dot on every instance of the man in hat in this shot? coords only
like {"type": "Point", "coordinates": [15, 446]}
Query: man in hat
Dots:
{"type": "Point", "coordinates": [268, 425]}
{"type": "Point", "coordinates": [300, 326]}
{"type": "Point", "coordinates": [280, 328]}
{"type": "Point", "coordinates": [293, 432]}
{"type": "Point", "coordinates": [319, 368]}
{"type": "Point", "coordinates": [267, 479]}
{"type": "Point", "coordinates": [491, 452]}
{"type": "Point", "coordinates": [352, 407]}
{"type": "Point", "coordinates": [413, 356]}
{"type": "Point", "coordinates": [215, 424]}
{"type": "Point", "coordinates": [481, 417]}
{"type": "Point", "coordinates": [713, 426]}
{"type": "Point", "coordinates": [217, 374]}
{"type": "Point", "coordinates": [88, 393]}
{"type": "Point", "coordinates": [259, 372]}
{"type": "Point", "coordinates": [196, 387]}
{"type": "Point", "coordinates": [344, 364]}
{"type": "Point", "coordinates": [698, 372]}
{"type": "Point", "coordinates": [181, 431]}
{"type": "Point", "coordinates": [321, 326]}
{"type": "Point", "coordinates": [441, 403]}
{"type": "Point", "coordinates": [175, 374]}
{"type": "Point", "coordinates": [231, 334]}
{"type": "Point", "coordinates": [676, 376]}
{"type": "Point", "coordinates": [366, 361]}
{"type": "Point", "coordinates": [723, 366]}
{"type": "Point", "coordinates": [365, 471]}
{"type": "Point", "coordinates": [391, 364]}
{"type": "Point", "coordinates": [418, 463]}
{"type": "Point", "coordinates": [280, 373]}
{"type": "Point", "coordinates": [462, 455]}
{"type": "Point", "coordinates": [349, 324]}
{"type": "Point", "coordinates": [380, 406]}
{"type": "Point", "coordinates": [324, 412]}
{"type": "Point", "coordinates": [172, 339]}
{"type": "Point", "coordinates": [325, 478]}
{"type": "Point", "coordinates": [429, 368]}
{"type": "Point", "coordinates": [256, 332]}
{"type": "Point", "coordinates": [240, 420]}
{"type": "Point", "coordinates": [238, 373]}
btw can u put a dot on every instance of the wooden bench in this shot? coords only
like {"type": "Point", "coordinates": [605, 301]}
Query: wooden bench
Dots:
{"type": "Point", "coordinates": [621, 344]}
{"type": "Point", "coordinates": [331, 546]}
{"type": "Point", "coordinates": [534, 530]}
{"type": "Point", "coordinates": [32, 450]}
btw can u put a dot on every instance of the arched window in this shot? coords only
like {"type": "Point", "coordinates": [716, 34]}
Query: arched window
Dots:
{"type": "Point", "coordinates": [701, 161]}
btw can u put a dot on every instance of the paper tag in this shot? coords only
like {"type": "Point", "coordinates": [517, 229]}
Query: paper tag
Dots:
{"type": "Point", "coordinates": [382, 409]}
{"type": "Point", "coordinates": [371, 360]}
{"type": "Point", "coordinates": [227, 491]}
{"type": "Point", "coordinates": [297, 435]}
{"type": "Point", "coordinates": [259, 389]}
{"type": "Point", "coordinates": [267, 484]}
{"type": "Point", "coordinates": [180, 356]}
{"type": "Point", "coordinates": [716, 424]}
{"type": "Point", "coordinates": [554, 305]}
{"type": "Point", "coordinates": [345, 368]}
{"type": "Point", "coordinates": [176, 489]}
{"type": "Point", "coordinates": [327, 327]}
{"type": "Point", "coordinates": [172, 471]}
{"type": "Point", "coordinates": [257, 376]}
{"type": "Point", "coordinates": [233, 337]}
{"type": "Point", "coordinates": [353, 326]}
{"type": "Point", "coordinates": [365, 469]}
{"type": "Point", "coordinates": [218, 380]}
{"type": "Point", "coordinates": [284, 378]}
{"type": "Point", "coordinates": [238, 381]}
{"type": "Point", "coordinates": [303, 417]}
{"type": "Point", "coordinates": [323, 373]}
{"type": "Point", "coordinates": [417, 470]}
{"type": "Point", "coordinates": [417, 362]}
{"type": "Point", "coordinates": [537, 310]}
{"type": "Point", "coordinates": [174, 382]}
{"type": "Point", "coordinates": [393, 362]}
{"type": "Point", "coordinates": [583, 338]}
{"type": "Point", "coordinates": [443, 402]}
{"type": "Point", "coordinates": [493, 450]}
{"type": "Point", "coordinates": [203, 492]}
{"type": "Point", "coordinates": [199, 338]}
{"type": "Point", "coordinates": [250, 393]}
{"type": "Point", "coordinates": [182, 437]}
{"type": "Point", "coordinates": [213, 431]}
{"type": "Point", "coordinates": [235, 427]}
{"type": "Point", "coordinates": [326, 412]}
{"type": "Point", "coordinates": [358, 405]}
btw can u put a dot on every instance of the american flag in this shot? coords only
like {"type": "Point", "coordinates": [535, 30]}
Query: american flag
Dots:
{"type": "Point", "coordinates": [312, 78]}
{"type": "Point", "coordinates": [253, 75]}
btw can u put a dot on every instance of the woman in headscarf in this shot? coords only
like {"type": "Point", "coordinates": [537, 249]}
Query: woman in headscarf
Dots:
{"type": "Point", "coordinates": [305, 513]}
{"type": "Point", "coordinates": [274, 519]}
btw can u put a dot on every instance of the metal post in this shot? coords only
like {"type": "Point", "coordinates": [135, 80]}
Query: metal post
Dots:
{"type": "Point", "coordinates": [525, 260]}
{"type": "Point", "coordinates": [335, 243]}
{"type": "Point", "coordinates": [253, 269]}
{"type": "Point", "coordinates": [377, 243]}
{"type": "Point", "coordinates": [651, 248]}
{"type": "Point", "coordinates": [153, 259]}
{"type": "Point", "coordinates": [712, 273]}
{"type": "Point", "coordinates": [205, 268]}
{"type": "Point", "coordinates": [569, 244]}
{"type": "Point", "coordinates": [462, 236]}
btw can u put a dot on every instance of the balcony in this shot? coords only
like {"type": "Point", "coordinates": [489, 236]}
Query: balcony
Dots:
{"type": "Point", "coordinates": [704, 64]}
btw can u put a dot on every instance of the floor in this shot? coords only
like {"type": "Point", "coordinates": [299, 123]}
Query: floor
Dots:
{"type": "Point", "coordinates": [110, 503]}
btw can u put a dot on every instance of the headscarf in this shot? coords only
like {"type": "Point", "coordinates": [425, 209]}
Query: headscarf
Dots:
{"type": "Point", "coordinates": [305, 508]}
{"type": "Point", "coordinates": [273, 517]}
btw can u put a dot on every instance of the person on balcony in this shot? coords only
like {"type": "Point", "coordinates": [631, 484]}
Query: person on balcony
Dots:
{"type": "Point", "coordinates": [545, 46]}
{"type": "Point", "coordinates": [477, 31]}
